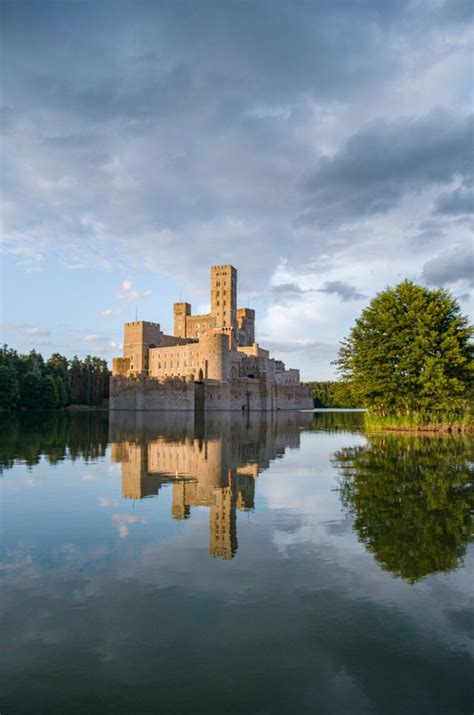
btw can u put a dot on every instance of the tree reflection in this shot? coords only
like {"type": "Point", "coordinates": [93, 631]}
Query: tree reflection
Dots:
{"type": "Point", "coordinates": [411, 499]}
{"type": "Point", "coordinates": [27, 436]}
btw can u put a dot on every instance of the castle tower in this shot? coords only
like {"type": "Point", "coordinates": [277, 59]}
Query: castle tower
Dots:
{"type": "Point", "coordinates": [180, 312]}
{"type": "Point", "coordinates": [224, 296]}
{"type": "Point", "coordinates": [138, 337]}
{"type": "Point", "coordinates": [246, 326]}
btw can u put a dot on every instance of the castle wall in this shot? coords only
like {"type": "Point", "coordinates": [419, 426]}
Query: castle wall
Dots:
{"type": "Point", "coordinates": [207, 359]}
{"type": "Point", "coordinates": [144, 393]}
{"type": "Point", "coordinates": [242, 395]}
{"type": "Point", "coordinates": [198, 325]}
{"type": "Point", "coordinates": [139, 338]}
{"type": "Point", "coordinates": [121, 366]}
{"type": "Point", "coordinates": [287, 377]}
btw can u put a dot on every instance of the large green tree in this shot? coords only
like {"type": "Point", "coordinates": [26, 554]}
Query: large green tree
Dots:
{"type": "Point", "coordinates": [409, 351]}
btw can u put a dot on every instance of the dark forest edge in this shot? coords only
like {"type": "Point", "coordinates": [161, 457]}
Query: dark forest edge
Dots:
{"type": "Point", "coordinates": [29, 382]}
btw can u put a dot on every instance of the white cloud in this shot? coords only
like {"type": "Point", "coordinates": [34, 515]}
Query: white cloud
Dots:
{"type": "Point", "coordinates": [127, 292]}
{"type": "Point", "coordinates": [26, 329]}
{"type": "Point", "coordinates": [101, 344]}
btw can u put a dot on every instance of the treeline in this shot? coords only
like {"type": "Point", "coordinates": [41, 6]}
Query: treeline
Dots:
{"type": "Point", "coordinates": [30, 382]}
{"type": "Point", "coordinates": [331, 393]}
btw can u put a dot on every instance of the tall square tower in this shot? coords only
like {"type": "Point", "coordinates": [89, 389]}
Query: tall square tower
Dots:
{"type": "Point", "coordinates": [138, 338]}
{"type": "Point", "coordinates": [224, 295]}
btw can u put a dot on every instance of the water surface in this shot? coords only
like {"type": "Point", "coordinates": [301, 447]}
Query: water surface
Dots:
{"type": "Point", "coordinates": [256, 564]}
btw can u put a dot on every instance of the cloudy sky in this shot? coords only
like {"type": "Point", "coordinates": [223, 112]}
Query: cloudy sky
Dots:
{"type": "Point", "coordinates": [323, 148]}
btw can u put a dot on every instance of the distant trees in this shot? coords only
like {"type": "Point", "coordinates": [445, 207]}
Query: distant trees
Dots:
{"type": "Point", "coordinates": [29, 382]}
{"type": "Point", "coordinates": [330, 393]}
{"type": "Point", "coordinates": [9, 387]}
{"type": "Point", "coordinates": [409, 352]}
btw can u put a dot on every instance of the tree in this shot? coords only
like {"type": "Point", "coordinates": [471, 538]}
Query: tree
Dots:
{"type": "Point", "coordinates": [57, 365]}
{"type": "Point", "coordinates": [31, 390]}
{"type": "Point", "coordinates": [83, 382]}
{"type": "Point", "coordinates": [9, 387]}
{"type": "Point", "coordinates": [62, 392]}
{"type": "Point", "coordinates": [409, 352]}
{"type": "Point", "coordinates": [49, 397]}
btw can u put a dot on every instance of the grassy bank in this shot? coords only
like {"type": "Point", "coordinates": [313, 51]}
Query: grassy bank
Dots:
{"type": "Point", "coordinates": [421, 422]}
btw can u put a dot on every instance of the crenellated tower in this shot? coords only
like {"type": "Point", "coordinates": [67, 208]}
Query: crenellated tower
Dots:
{"type": "Point", "coordinates": [224, 296]}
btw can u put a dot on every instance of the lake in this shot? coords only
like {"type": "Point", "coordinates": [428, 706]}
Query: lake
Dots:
{"type": "Point", "coordinates": [239, 563]}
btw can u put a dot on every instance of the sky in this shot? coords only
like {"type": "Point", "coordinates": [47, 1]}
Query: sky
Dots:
{"type": "Point", "coordinates": [323, 148]}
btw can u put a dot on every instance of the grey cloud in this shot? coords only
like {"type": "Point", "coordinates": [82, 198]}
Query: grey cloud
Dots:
{"type": "Point", "coordinates": [345, 291]}
{"type": "Point", "coordinates": [384, 161]}
{"type": "Point", "coordinates": [456, 264]}
{"type": "Point", "coordinates": [178, 133]}
{"type": "Point", "coordinates": [287, 288]}
{"type": "Point", "coordinates": [428, 232]}
{"type": "Point", "coordinates": [455, 11]}
{"type": "Point", "coordinates": [459, 201]}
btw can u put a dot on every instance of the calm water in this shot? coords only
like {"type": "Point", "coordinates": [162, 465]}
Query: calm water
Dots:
{"type": "Point", "coordinates": [242, 564]}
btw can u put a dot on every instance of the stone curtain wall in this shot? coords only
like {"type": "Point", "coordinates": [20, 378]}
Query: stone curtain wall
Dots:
{"type": "Point", "coordinates": [242, 395]}
{"type": "Point", "coordinates": [144, 393]}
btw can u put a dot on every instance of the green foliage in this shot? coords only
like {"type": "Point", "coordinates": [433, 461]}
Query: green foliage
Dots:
{"type": "Point", "coordinates": [32, 390]}
{"type": "Point", "coordinates": [9, 387]}
{"type": "Point", "coordinates": [62, 391]}
{"type": "Point", "coordinates": [49, 398]}
{"type": "Point", "coordinates": [411, 499]}
{"type": "Point", "coordinates": [420, 422]}
{"type": "Point", "coordinates": [57, 382]}
{"type": "Point", "coordinates": [333, 394]}
{"type": "Point", "coordinates": [410, 352]}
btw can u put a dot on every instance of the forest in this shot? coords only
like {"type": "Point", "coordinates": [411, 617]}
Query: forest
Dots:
{"type": "Point", "coordinates": [330, 393]}
{"type": "Point", "coordinates": [30, 382]}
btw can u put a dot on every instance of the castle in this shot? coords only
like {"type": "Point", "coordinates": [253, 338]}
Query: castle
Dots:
{"type": "Point", "coordinates": [212, 361]}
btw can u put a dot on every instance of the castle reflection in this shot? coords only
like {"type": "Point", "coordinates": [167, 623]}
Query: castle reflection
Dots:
{"type": "Point", "coordinates": [211, 462]}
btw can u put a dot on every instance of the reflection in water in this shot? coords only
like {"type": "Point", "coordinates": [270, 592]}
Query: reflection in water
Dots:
{"type": "Point", "coordinates": [28, 436]}
{"type": "Point", "coordinates": [412, 500]}
{"type": "Point", "coordinates": [211, 462]}
{"type": "Point", "coordinates": [99, 615]}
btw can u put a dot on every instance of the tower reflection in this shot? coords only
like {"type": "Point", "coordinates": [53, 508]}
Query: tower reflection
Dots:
{"type": "Point", "coordinates": [211, 461]}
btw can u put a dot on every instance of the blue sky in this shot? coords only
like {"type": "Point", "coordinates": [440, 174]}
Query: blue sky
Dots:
{"type": "Point", "coordinates": [323, 148]}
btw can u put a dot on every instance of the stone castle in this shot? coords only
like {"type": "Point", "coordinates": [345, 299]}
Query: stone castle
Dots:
{"type": "Point", "coordinates": [212, 361]}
